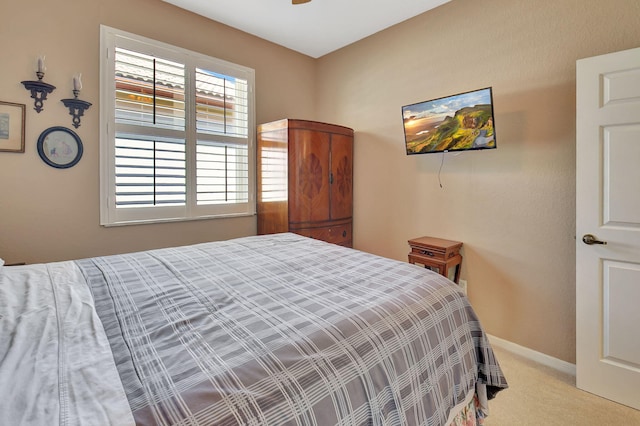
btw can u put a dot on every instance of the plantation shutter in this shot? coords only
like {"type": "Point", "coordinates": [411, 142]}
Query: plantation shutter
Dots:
{"type": "Point", "coordinates": [150, 140]}
{"type": "Point", "coordinates": [222, 119]}
{"type": "Point", "coordinates": [179, 144]}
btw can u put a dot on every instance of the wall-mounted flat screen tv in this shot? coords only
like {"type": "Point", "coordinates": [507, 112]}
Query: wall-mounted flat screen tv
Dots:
{"type": "Point", "coordinates": [459, 122]}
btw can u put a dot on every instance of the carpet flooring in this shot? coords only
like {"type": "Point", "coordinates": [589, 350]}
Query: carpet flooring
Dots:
{"type": "Point", "coordinates": [540, 395]}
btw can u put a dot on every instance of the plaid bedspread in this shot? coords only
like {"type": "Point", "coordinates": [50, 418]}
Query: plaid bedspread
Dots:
{"type": "Point", "coordinates": [286, 330]}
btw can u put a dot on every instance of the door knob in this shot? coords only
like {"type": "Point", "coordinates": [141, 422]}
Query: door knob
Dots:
{"type": "Point", "coordinates": [590, 240]}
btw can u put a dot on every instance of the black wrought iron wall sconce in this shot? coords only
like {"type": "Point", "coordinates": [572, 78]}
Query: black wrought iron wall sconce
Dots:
{"type": "Point", "coordinates": [76, 106]}
{"type": "Point", "coordinates": [39, 89]}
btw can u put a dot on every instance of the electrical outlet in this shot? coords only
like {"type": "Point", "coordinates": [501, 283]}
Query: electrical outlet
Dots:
{"type": "Point", "coordinates": [463, 286]}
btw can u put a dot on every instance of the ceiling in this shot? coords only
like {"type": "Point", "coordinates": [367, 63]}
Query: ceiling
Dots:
{"type": "Point", "coordinates": [315, 28]}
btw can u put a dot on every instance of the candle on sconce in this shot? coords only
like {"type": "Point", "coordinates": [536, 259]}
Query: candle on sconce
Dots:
{"type": "Point", "coordinates": [76, 106]}
{"type": "Point", "coordinates": [77, 82]}
{"type": "Point", "coordinates": [41, 67]}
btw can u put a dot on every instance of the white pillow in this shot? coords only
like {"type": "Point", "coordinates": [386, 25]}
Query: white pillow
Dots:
{"type": "Point", "coordinates": [1, 262]}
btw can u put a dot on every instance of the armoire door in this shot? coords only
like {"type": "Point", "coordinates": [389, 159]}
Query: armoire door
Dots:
{"type": "Point", "coordinates": [308, 176]}
{"type": "Point", "coordinates": [341, 176]}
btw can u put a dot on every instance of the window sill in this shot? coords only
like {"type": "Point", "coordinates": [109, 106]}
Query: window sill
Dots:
{"type": "Point", "coordinates": [176, 219]}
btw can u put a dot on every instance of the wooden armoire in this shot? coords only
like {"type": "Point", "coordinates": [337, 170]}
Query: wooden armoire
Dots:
{"type": "Point", "coordinates": [305, 180]}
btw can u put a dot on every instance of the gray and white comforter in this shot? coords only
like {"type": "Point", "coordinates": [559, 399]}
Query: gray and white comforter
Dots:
{"type": "Point", "coordinates": [268, 330]}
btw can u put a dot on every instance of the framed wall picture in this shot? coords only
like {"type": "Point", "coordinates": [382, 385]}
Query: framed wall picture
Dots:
{"type": "Point", "coordinates": [12, 118]}
{"type": "Point", "coordinates": [60, 147]}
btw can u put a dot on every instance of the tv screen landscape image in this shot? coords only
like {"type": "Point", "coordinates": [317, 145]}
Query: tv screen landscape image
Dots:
{"type": "Point", "coordinates": [459, 122]}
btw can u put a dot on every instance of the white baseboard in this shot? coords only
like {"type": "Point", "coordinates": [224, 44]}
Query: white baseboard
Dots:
{"type": "Point", "coordinates": [539, 357]}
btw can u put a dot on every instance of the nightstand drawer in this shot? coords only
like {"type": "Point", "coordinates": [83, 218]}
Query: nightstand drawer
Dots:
{"type": "Point", "coordinates": [432, 253]}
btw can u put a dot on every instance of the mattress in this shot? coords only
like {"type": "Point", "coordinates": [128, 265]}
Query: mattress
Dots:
{"type": "Point", "coordinates": [266, 330]}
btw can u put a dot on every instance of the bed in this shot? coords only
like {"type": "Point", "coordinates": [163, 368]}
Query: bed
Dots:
{"type": "Point", "coordinates": [266, 330]}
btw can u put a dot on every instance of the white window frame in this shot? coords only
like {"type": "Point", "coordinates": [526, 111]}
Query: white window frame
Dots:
{"type": "Point", "coordinates": [110, 38]}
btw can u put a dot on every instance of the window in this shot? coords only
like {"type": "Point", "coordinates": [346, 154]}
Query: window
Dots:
{"type": "Point", "coordinates": [177, 133]}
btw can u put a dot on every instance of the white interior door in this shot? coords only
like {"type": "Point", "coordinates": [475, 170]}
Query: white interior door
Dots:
{"type": "Point", "coordinates": [608, 207]}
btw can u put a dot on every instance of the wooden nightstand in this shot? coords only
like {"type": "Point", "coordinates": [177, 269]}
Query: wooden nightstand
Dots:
{"type": "Point", "coordinates": [441, 256]}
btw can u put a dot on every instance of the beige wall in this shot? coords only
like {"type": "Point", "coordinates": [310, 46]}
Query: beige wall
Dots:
{"type": "Point", "coordinates": [512, 207]}
{"type": "Point", "coordinates": [48, 214]}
